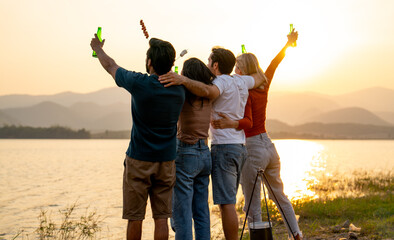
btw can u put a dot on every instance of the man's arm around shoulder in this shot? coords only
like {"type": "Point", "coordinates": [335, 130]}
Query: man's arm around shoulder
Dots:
{"type": "Point", "coordinates": [259, 79]}
{"type": "Point", "coordinates": [197, 88]}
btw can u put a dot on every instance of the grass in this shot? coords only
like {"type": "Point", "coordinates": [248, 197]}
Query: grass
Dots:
{"type": "Point", "coordinates": [363, 199]}
{"type": "Point", "coordinates": [374, 214]}
{"type": "Point", "coordinates": [69, 227]}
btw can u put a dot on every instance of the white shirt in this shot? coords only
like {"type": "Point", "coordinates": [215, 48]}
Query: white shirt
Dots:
{"type": "Point", "coordinates": [231, 101]}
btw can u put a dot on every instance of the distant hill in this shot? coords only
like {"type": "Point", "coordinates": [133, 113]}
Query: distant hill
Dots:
{"type": "Point", "coordinates": [372, 99]}
{"type": "Point", "coordinates": [115, 121]}
{"type": "Point", "coordinates": [109, 109]}
{"type": "Point", "coordinates": [387, 116]}
{"type": "Point", "coordinates": [7, 120]}
{"type": "Point", "coordinates": [295, 108]}
{"type": "Point", "coordinates": [298, 108]}
{"type": "Point", "coordinates": [105, 96]}
{"type": "Point", "coordinates": [278, 130]}
{"type": "Point", "coordinates": [277, 126]}
{"type": "Point", "coordinates": [346, 131]}
{"type": "Point", "coordinates": [45, 114]}
{"type": "Point", "coordinates": [80, 115]}
{"type": "Point", "coordinates": [349, 115]}
{"type": "Point", "coordinates": [375, 99]}
{"type": "Point", "coordinates": [93, 110]}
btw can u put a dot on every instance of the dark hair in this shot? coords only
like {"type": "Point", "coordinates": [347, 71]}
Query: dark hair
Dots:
{"type": "Point", "coordinates": [195, 69]}
{"type": "Point", "coordinates": [225, 59]}
{"type": "Point", "coordinates": [161, 54]}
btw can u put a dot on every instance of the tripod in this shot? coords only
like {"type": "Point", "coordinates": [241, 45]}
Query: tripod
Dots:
{"type": "Point", "coordinates": [261, 173]}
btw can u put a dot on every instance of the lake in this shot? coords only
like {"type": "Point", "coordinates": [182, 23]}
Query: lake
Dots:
{"type": "Point", "coordinates": [51, 175]}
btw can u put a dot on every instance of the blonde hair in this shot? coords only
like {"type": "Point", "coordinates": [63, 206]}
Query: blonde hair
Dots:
{"type": "Point", "coordinates": [248, 64]}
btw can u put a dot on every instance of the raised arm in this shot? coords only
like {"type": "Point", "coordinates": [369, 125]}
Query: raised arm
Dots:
{"type": "Point", "coordinates": [197, 88]}
{"type": "Point", "coordinates": [269, 73]}
{"type": "Point", "coordinates": [106, 61]}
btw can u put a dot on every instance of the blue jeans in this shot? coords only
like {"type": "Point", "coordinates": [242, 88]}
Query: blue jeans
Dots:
{"type": "Point", "coordinates": [190, 197]}
{"type": "Point", "coordinates": [227, 163]}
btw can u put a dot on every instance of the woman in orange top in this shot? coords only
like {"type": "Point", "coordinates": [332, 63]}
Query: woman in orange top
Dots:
{"type": "Point", "coordinates": [261, 151]}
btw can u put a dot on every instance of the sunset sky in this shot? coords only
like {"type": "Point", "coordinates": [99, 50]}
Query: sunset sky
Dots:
{"type": "Point", "coordinates": [343, 46]}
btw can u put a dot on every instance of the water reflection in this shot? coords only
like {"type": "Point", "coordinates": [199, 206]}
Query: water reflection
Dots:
{"type": "Point", "coordinates": [301, 163]}
{"type": "Point", "coordinates": [308, 165]}
{"type": "Point", "coordinates": [53, 174]}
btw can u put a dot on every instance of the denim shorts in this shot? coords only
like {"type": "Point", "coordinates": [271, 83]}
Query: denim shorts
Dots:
{"type": "Point", "coordinates": [227, 163]}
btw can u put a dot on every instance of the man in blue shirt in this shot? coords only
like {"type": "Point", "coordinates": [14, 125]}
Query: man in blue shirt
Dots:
{"type": "Point", "coordinates": [149, 164]}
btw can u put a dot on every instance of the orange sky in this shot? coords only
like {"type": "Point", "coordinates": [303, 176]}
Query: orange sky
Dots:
{"type": "Point", "coordinates": [343, 46]}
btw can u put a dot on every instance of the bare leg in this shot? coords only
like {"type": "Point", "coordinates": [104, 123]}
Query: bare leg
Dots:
{"type": "Point", "coordinates": [229, 221]}
{"type": "Point", "coordinates": [161, 229]}
{"type": "Point", "coordinates": [134, 230]}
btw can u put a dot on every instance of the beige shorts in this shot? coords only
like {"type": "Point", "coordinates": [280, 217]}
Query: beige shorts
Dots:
{"type": "Point", "coordinates": [140, 179]}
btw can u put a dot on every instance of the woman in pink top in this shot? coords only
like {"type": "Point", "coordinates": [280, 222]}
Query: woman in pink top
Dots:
{"type": "Point", "coordinates": [261, 151]}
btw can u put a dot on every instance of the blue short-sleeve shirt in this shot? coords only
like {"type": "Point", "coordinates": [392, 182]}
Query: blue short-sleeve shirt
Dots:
{"type": "Point", "coordinates": [155, 111]}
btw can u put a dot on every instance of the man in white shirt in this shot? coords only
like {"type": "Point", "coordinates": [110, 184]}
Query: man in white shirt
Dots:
{"type": "Point", "coordinates": [228, 151]}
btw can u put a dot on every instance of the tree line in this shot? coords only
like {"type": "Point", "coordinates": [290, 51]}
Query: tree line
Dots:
{"type": "Point", "coordinates": [54, 132]}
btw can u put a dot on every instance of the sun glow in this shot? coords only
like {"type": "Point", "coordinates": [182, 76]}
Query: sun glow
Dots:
{"type": "Point", "coordinates": [322, 42]}
{"type": "Point", "coordinates": [301, 163]}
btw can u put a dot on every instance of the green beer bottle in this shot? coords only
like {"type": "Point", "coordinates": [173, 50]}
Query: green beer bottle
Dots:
{"type": "Point", "coordinates": [176, 69]}
{"type": "Point", "coordinates": [243, 48]}
{"type": "Point", "coordinates": [99, 37]}
{"type": "Point", "coordinates": [291, 29]}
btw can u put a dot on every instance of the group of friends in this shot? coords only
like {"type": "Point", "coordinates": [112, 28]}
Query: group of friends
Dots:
{"type": "Point", "coordinates": [168, 157]}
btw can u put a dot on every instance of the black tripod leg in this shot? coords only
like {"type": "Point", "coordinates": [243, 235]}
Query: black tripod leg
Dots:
{"type": "Point", "coordinates": [273, 194]}
{"type": "Point", "coordinates": [268, 213]}
{"type": "Point", "coordinates": [247, 211]}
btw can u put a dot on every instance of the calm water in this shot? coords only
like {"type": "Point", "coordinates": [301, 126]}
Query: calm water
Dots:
{"type": "Point", "coordinates": [53, 174]}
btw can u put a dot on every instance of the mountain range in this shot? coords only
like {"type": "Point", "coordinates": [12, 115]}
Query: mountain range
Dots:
{"type": "Point", "coordinates": [109, 109]}
{"type": "Point", "coordinates": [300, 108]}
